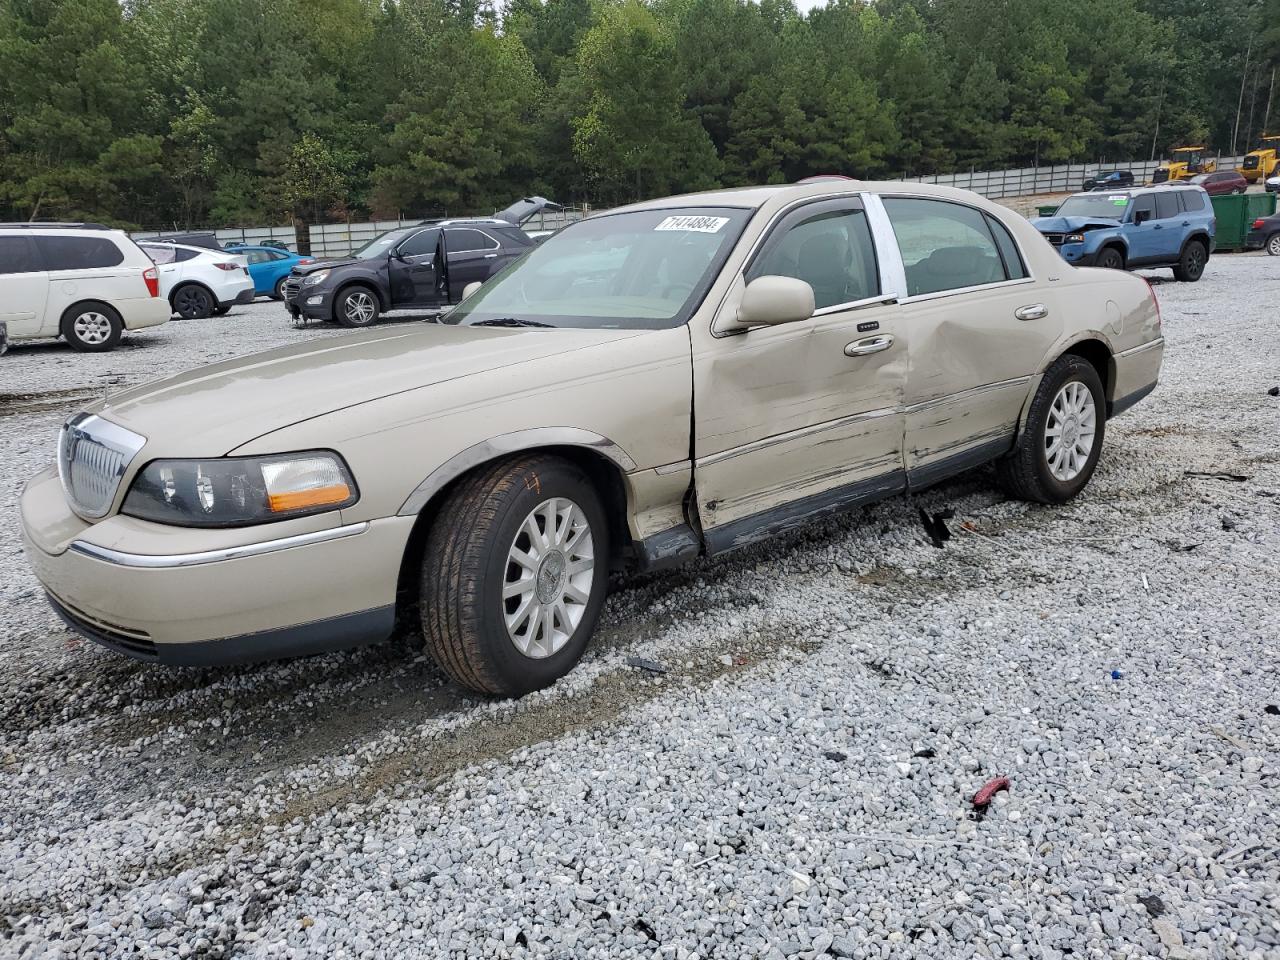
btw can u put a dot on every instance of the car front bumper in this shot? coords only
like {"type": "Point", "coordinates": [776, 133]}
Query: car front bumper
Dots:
{"type": "Point", "coordinates": [308, 302]}
{"type": "Point", "coordinates": [207, 601]}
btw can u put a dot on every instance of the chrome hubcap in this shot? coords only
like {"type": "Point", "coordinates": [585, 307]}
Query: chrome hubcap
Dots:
{"type": "Point", "coordinates": [1273, 246]}
{"type": "Point", "coordinates": [360, 308]}
{"type": "Point", "coordinates": [92, 327]}
{"type": "Point", "coordinates": [1069, 431]}
{"type": "Point", "coordinates": [548, 577]}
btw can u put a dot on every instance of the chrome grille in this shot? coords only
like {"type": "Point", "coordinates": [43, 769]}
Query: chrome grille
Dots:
{"type": "Point", "coordinates": [290, 288]}
{"type": "Point", "coordinates": [92, 457]}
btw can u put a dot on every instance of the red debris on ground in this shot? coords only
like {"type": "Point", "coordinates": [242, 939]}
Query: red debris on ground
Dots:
{"type": "Point", "coordinates": [992, 787]}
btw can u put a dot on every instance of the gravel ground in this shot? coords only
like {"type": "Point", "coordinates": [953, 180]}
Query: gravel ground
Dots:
{"type": "Point", "coordinates": [797, 783]}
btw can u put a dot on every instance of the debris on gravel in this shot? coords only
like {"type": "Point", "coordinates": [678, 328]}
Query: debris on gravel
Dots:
{"type": "Point", "coordinates": [793, 786]}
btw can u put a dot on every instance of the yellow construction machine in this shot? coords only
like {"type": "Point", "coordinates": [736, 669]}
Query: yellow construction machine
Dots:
{"type": "Point", "coordinates": [1184, 162]}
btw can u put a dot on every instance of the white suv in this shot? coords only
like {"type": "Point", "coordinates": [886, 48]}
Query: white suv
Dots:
{"type": "Point", "coordinates": [199, 282]}
{"type": "Point", "coordinates": [82, 282]}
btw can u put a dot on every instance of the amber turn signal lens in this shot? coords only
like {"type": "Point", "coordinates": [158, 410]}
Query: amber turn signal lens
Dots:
{"type": "Point", "coordinates": [304, 499]}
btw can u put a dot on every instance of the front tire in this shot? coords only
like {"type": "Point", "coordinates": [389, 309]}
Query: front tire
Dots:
{"type": "Point", "coordinates": [1190, 266]}
{"type": "Point", "coordinates": [92, 328]}
{"type": "Point", "coordinates": [1058, 449]}
{"type": "Point", "coordinates": [193, 303]}
{"type": "Point", "coordinates": [356, 307]}
{"type": "Point", "coordinates": [514, 575]}
{"type": "Point", "coordinates": [1111, 259]}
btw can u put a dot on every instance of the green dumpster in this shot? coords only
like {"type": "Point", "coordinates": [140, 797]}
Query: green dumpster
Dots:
{"type": "Point", "coordinates": [1235, 215]}
{"type": "Point", "coordinates": [1047, 211]}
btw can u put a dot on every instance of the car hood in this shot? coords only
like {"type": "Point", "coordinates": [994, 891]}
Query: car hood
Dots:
{"type": "Point", "coordinates": [1072, 224]}
{"type": "Point", "coordinates": [214, 409]}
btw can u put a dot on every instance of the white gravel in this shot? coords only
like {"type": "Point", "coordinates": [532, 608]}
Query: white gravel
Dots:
{"type": "Point", "coordinates": [796, 786]}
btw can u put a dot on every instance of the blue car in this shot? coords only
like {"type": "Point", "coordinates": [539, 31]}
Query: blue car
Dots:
{"type": "Point", "coordinates": [269, 267]}
{"type": "Point", "coordinates": [1167, 226]}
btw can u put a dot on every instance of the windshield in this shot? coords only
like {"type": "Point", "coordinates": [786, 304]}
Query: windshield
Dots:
{"type": "Point", "coordinates": [646, 269]}
{"type": "Point", "coordinates": [379, 246]}
{"type": "Point", "coordinates": [1109, 206]}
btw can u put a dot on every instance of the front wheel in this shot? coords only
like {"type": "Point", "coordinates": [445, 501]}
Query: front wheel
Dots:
{"type": "Point", "coordinates": [1058, 449]}
{"type": "Point", "coordinates": [514, 574]}
{"type": "Point", "coordinates": [1111, 259]}
{"type": "Point", "coordinates": [356, 307]}
{"type": "Point", "coordinates": [1190, 266]}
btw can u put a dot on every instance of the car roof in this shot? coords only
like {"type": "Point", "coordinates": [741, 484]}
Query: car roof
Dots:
{"type": "Point", "coordinates": [51, 225]}
{"type": "Point", "coordinates": [185, 246]}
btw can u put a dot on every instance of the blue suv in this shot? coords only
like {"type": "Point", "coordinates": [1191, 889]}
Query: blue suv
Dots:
{"type": "Point", "coordinates": [1168, 226]}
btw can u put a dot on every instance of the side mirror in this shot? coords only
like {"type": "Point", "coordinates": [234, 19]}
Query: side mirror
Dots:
{"type": "Point", "coordinates": [1141, 216]}
{"type": "Point", "coordinates": [772, 300]}
{"type": "Point", "coordinates": [470, 288]}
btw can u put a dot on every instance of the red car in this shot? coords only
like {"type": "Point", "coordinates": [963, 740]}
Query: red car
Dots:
{"type": "Point", "coordinates": [1221, 183]}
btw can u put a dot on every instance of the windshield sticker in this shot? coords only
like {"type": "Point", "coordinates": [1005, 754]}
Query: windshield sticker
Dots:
{"type": "Point", "coordinates": [1121, 202]}
{"type": "Point", "coordinates": [696, 224]}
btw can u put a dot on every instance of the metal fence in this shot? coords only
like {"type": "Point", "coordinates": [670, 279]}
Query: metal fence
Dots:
{"type": "Point", "coordinates": [339, 239]}
{"type": "Point", "coordinates": [1032, 181]}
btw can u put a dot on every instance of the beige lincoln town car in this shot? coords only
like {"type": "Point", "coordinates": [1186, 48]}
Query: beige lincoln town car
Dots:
{"type": "Point", "coordinates": [668, 380]}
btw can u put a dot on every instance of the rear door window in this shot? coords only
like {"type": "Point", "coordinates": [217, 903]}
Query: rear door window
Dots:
{"type": "Point", "coordinates": [1167, 205]}
{"type": "Point", "coordinates": [465, 241]}
{"type": "Point", "coordinates": [79, 253]}
{"type": "Point", "coordinates": [944, 245]}
{"type": "Point", "coordinates": [1192, 200]}
{"type": "Point", "coordinates": [18, 255]}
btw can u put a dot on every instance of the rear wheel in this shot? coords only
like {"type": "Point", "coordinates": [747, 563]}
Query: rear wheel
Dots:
{"type": "Point", "coordinates": [356, 307]}
{"type": "Point", "coordinates": [278, 292]}
{"type": "Point", "coordinates": [1273, 245]}
{"type": "Point", "coordinates": [1058, 450]}
{"type": "Point", "coordinates": [221, 311]}
{"type": "Point", "coordinates": [514, 574]}
{"type": "Point", "coordinates": [193, 303]}
{"type": "Point", "coordinates": [1191, 265]}
{"type": "Point", "coordinates": [92, 327]}
{"type": "Point", "coordinates": [1111, 259]}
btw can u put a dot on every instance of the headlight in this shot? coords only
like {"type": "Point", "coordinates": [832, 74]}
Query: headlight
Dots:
{"type": "Point", "coordinates": [311, 279]}
{"type": "Point", "coordinates": [1073, 238]}
{"type": "Point", "coordinates": [238, 491]}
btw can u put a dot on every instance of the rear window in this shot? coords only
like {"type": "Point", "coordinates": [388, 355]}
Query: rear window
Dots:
{"type": "Point", "coordinates": [1192, 200]}
{"type": "Point", "coordinates": [1167, 206]}
{"type": "Point", "coordinates": [159, 254]}
{"type": "Point", "coordinates": [79, 253]}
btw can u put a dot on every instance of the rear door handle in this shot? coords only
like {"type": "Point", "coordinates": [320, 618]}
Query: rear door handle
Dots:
{"type": "Point", "coordinates": [869, 345]}
{"type": "Point", "coordinates": [490, 256]}
{"type": "Point", "coordinates": [1032, 311]}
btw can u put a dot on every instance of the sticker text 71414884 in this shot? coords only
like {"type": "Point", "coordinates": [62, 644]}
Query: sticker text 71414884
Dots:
{"type": "Point", "coordinates": [695, 224]}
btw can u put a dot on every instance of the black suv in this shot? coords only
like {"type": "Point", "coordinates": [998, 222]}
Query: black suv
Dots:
{"type": "Point", "coordinates": [1109, 180]}
{"type": "Point", "coordinates": [427, 265]}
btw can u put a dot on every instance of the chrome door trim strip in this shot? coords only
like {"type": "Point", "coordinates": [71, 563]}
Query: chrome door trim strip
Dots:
{"type": "Point", "coordinates": [965, 394]}
{"type": "Point", "coordinates": [1133, 351]}
{"type": "Point", "coordinates": [765, 442]}
{"type": "Point", "coordinates": [166, 561]}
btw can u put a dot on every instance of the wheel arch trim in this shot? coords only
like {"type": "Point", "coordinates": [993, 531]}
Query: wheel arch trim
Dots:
{"type": "Point", "coordinates": [505, 445]}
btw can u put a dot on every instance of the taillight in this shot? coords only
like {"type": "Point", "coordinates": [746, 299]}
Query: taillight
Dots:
{"type": "Point", "coordinates": [1257, 224]}
{"type": "Point", "coordinates": [1156, 300]}
{"type": "Point", "coordinates": [301, 262]}
{"type": "Point", "coordinates": [152, 280]}
{"type": "Point", "coordinates": [227, 266]}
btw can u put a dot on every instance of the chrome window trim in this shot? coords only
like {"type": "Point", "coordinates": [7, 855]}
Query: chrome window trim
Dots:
{"type": "Point", "coordinates": [164, 561]}
{"type": "Point", "coordinates": [958, 291]}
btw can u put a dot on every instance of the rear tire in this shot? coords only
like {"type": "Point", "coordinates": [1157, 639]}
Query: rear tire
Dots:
{"type": "Point", "coordinates": [1069, 410]}
{"type": "Point", "coordinates": [278, 292]}
{"type": "Point", "coordinates": [507, 608]}
{"type": "Point", "coordinates": [1273, 245]}
{"type": "Point", "coordinates": [356, 307]}
{"type": "Point", "coordinates": [92, 327]}
{"type": "Point", "coordinates": [221, 311]}
{"type": "Point", "coordinates": [192, 303]}
{"type": "Point", "coordinates": [1190, 266]}
{"type": "Point", "coordinates": [1111, 259]}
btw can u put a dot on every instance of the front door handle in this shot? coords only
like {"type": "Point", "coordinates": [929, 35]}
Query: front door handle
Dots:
{"type": "Point", "coordinates": [869, 345]}
{"type": "Point", "coordinates": [1032, 311]}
